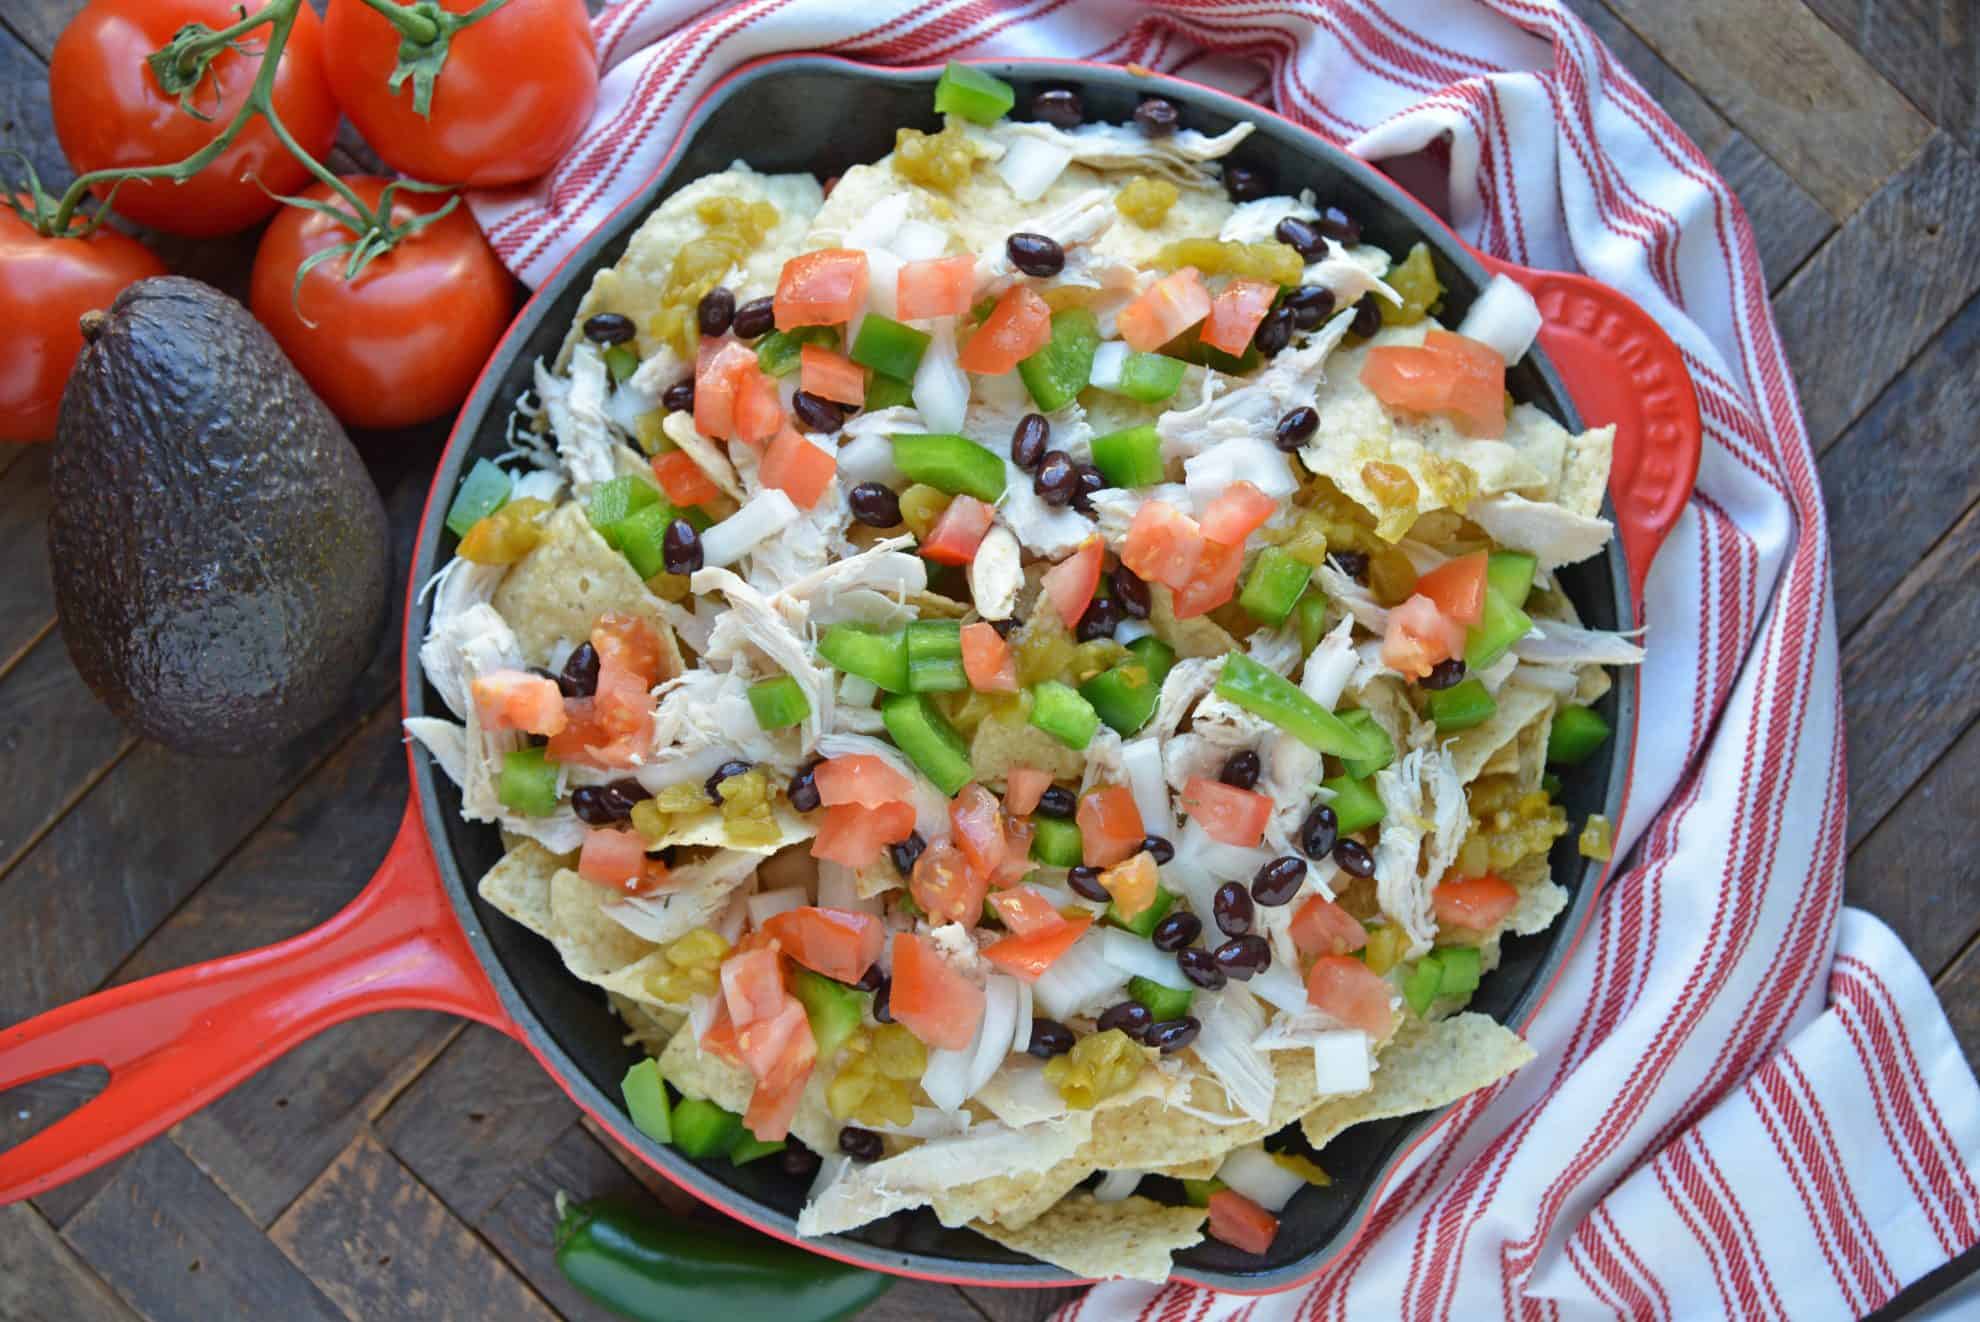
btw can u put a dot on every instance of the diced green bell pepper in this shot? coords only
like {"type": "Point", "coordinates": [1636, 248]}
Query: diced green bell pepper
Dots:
{"type": "Point", "coordinates": [1459, 967]}
{"type": "Point", "coordinates": [1355, 804]}
{"type": "Point", "coordinates": [888, 347]}
{"type": "Point", "coordinates": [483, 491]}
{"type": "Point", "coordinates": [1274, 585]}
{"type": "Point", "coordinates": [1060, 370]}
{"type": "Point", "coordinates": [1059, 711]}
{"type": "Point", "coordinates": [779, 352]}
{"type": "Point", "coordinates": [1502, 625]}
{"type": "Point", "coordinates": [612, 501]}
{"type": "Point", "coordinates": [642, 537]}
{"type": "Point", "coordinates": [1162, 1002]}
{"type": "Point", "coordinates": [703, 1129]}
{"type": "Point", "coordinates": [1511, 573]}
{"type": "Point", "coordinates": [1125, 695]}
{"type": "Point", "coordinates": [1149, 377]}
{"type": "Point", "coordinates": [833, 1009]}
{"type": "Point", "coordinates": [646, 1101]}
{"type": "Point", "coordinates": [1461, 706]}
{"type": "Point", "coordinates": [1421, 984]}
{"type": "Point", "coordinates": [1055, 841]}
{"type": "Point", "coordinates": [1576, 733]}
{"type": "Point", "coordinates": [1190, 348]}
{"type": "Point", "coordinates": [1310, 617]}
{"type": "Point", "coordinates": [934, 657]}
{"type": "Point", "coordinates": [779, 703]}
{"type": "Point", "coordinates": [1143, 923]}
{"type": "Point", "coordinates": [1158, 656]}
{"type": "Point", "coordinates": [621, 362]}
{"type": "Point", "coordinates": [885, 392]}
{"type": "Point", "coordinates": [528, 783]}
{"type": "Point", "coordinates": [1361, 768]}
{"type": "Point", "coordinates": [1268, 694]}
{"type": "Point", "coordinates": [749, 1147]}
{"type": "Point", "coordinates": [872, 654]}
{"type": "Point", "coordinates": [954, 464]}
{"type": "Point", "coordinates": [979, 97]}
{"type": "Point", "coordinates": [1131, 457]}
{"type": "Point", "coordinates": [928, 741]}
{"type": "Point", "coordinates": [1198, 1192]}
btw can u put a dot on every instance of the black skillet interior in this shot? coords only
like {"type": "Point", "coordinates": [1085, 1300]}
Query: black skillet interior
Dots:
{"type": "Point", "coordinates": [823, 115]}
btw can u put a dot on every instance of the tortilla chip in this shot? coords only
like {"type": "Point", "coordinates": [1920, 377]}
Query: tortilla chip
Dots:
{"type": "Point", "coordinates": [594, 947]}
{"type": "Point", "coordinates": [1423, 1067]}
{"type": "Point", "coordinates": [1010, 1201]}
{"type": "Point", "coordinates": [711, 830]}
{"type": "Point", "coordinates": [1585, 471]}
{"type": "Point", "coordinates": [1541, 899]}
{"type": "Point", "coordinates": [651, 1026]}
{"type": "Point", "coordinates": [1135, 1238]}
{"type": "Point", "coordinates": [1150, 1132]}
{"type": "Point", "coordinates": [1190, 1170]}
{"type": "Point", "coordinates": [934, 606]}
{"type": "Point", "coordinates": [696, 1073]}
{"type": "Point", "coordinates": [557, 592]}
{"type": "Point", "coordinates": [519, 885]}
{"type": "Point", "coordinates": [1518, 706]}
{"type": "Point", "coordinates": [1198, 636]}
{"type": "Point", "coordinates": [1594, 681]}
{"type": "Point", "coordinates": [998, 746]}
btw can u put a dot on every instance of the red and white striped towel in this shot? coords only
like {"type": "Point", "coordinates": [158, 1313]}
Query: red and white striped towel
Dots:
{"type": "Point", "coordinates": [1747, 1101]}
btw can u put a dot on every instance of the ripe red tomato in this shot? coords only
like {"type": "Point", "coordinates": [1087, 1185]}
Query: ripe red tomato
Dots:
{"type": "Point", "coordinates": [515, 91]}
{"type": "Point", "coordinates": [45, 287]}
{"type": "Point", "coordinates": [111, 113]}
{"type": "Point", "coordinates": [403, 342]}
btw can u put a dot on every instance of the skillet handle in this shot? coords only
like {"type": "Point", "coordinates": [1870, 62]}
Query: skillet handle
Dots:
{"type": "Point", "coordinates": [176, 1041]}
{"type": "Point", "coordinates": [1621, 367]}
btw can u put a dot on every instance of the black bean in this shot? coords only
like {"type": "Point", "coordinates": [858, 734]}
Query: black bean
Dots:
{"type": "Point", "coordinates": [679, 397]}
{"type": "Point", "coordinates": [1275, 332]}
{"type": "Point", "coordinates": [1338, 225]}
{"type": "Point", "coordinates": [1102, 617]}
{"type": "Point", "coordinates": [754, 318]}
{"type": "Point", "coordinates": [680, 548]}
{"type": "Point", "coordinates": [1445, 673]}
{"type": "Point", "coordinates": [1242, 956]}
{"type": "Point", "coordinates": [1367, 317]}
{"type": "Point", "coordinates": [609, 328]}
{"type": "Point", "coordinates": [1247, 183]}
{"type": "Point", "coordinates": [1058, 480]}
{"type": "Point", "coordinates": [1303, 236]}
{"type": "Point", "coordinates": [1035, 254]}
{"type": "Point", "coordinates": [1157, 117]}
{"type": "Point", "coordinates": [1176, 931]}
{"type": "Point", "coordinates": [1131, 1017]}
{"type": "Point", "coordinates": [734, 768]}
{"type": "Point", "coordinates": [1311, 305]}
{"type": "Point", "coordinates": [1130, 592]}
{"type": "Point", "coordinates": [1057, 801]}
{"type": "Point", "coordinates": [715, 311]}
{"type": "Point", "coordinates": [803, 789]}
{"type": "Point", "coordinates": [905, 852]}
{"type": "Point", "coordinates": [1200, 967]}
{"type": "Point", "coordinates": [1232, 906]}
{"type": "Point", "coordinates": [817, 413]}
{"type": "Point", "coordinates": [579, 678]}
{"type": "Point", "coordinates": [1085, 881]}
{"type": "Point", "coordinates": [860, 1144]}
{"type": "Point", "coordinates": [875, 505]}
{"type": "Point", "coordinates": [1354, 858]}
{"type": "Point", "coordinates": [1089, 482]}
{"type": "Point", "coordinates": [1028, 441]}
{"type": "Point", "coordinates": [1059, 107]}
{"type": "Point", "coordinates": [1278, 881]}
{"type": "Point", "coordinates": [799, 1162]}
{"type": "Point", "coordinates": [1158, 848]}
{"type": "Point", "coordinates": [1049, 1038]}
{"type": "Point", "coordinates": [595, 805]}
{"type": "Point", "coordinates": [1296, 428]}
{"type": "Point", "coordinates": [872, 980]}
{"type": "Point", "coordinates": [1319, 831]}
{"type": "Point", "coordinates": [1241, 769]}
{"type": "Point", "coordinates": [1353, 563]}
{"type": "Point", "coordinates": [883, 1003]}
{"type": "Point", "coordinates": [1172, 1034]}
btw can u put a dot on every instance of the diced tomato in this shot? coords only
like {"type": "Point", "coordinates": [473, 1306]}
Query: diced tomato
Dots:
{"type": "Point", "coordinates": [1477, 903]}
{"type": "Point", "coordinates": [1165, 310]}
{"type": "Point", "coordinates": [1017, 865]}
{"type": "Point", "coordinates": [762, 1041]}
{"type": "Point", "coordinates": [937, 287]}
{"type": "Point", "coordinates": [1163, 544]}
{"type": "Point", "coordinates": [1235, 314]}
{"type": "Point", "coordinates": [753, 985]}
{"type": "Point", "coordinates": [1110, 826]}
{"type": "Point", "coordinates": [1213, 584]}
{"type": "Point", "coordinates": [978, 822]}
{"type": "Point", "coordinates": [719, 1038]}
{"type": "Point", "coordinates": [682, 479]}
{"type": "Point", "coordinates": [759, 414]}
{"type": "Point", "coordinates": [938, 1004]}
{"type": "Point", "coordinates": [628, 641]}
{"type": "Point", "coordinates": [1239, 510]}
{"type": "Point", "coordinates": [860, 778]}
{"type": "Point", "coordinates": [1447, 374]}
{"type": "Point", "coordinates": [857, 836]}
{"type": "Point", "coordinates": [780, 1085]}
{"type": "Point", "coordinates": [821, 288]}
{"type": "Point", "coordinates": [831, 375]}
{"type": "Point", "coordinates": [715, 383]}
{"type": "Point", "coordinates": [1026, 957]}
{"type": "Point", "coordinates": [1026, 913]}
{"type": "Point", "coordinates": [1132, 883]}
{"type": "Point", "coordinates": [1070, 584]}
{"type": "Point", "coordinates": [1226, 813]}
{"type": "Point", "coordinates": [833, 942]}
{"type": "Point", "coordinates": [1419, 636]}
{"type": "Point", "coordinates": [1353, 993]}
{"type": "Point", "coordinates": [518, 700]}
{"type": "Point", "coordinates": [946, 887]}
{"type": "Point", "coordinates": [1322, 927]}
{"type": "Point", "coordinates": [614, 859]}
{"type": "Point", "coordinates": [1458, 587]}
{"type": "Point", "coordinates": [1023, 786]}
{"type": "Point", "coordinates": [1241, 1223]}
{"type": "Point", "coordinates": [1018, 327]}
{"type": "Point", "coordinates": [988, 660]}
{"type": "Point", "coordinates": [956, 535]}
{"type": "Point", "coordinates": [586, 740]}
{"type": "Point", "coordinates": [797, 468]}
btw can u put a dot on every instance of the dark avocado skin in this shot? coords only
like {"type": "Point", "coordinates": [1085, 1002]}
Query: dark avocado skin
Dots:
{"type": "Point", "coordinates": [219, 551]}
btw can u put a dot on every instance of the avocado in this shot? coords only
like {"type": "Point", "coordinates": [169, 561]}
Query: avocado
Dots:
{"type": "Point", "coordinates": [219, 552]}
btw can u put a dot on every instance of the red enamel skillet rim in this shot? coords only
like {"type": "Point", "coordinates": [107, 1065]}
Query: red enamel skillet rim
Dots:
{"type": "Point", "coordinates": [413, 938]}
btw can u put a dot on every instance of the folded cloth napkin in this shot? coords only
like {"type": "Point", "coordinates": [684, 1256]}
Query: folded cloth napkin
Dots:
{"type": "Point", "coordinates": [1747, 1100]}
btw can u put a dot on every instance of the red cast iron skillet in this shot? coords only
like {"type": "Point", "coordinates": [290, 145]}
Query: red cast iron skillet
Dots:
{"type": "Point", "coordinates": [418, 937]}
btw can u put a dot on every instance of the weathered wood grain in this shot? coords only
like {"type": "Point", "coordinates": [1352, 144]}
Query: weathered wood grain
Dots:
{"type": "Point", "coordinates": [27, 595]}
{"type": "Point", "coordinates": [668, 1194]}
{"type": "Point", "coordinates": [58, 736]}
{"type": "Point", "coordinates": [43, 1280]}
{"type": "Point", "coordinates": [1959, 992]}
{"type": "Point", "coordinates": [26, 124]}
{"type": "Point", "coordinates": [1905, 470]}
{"type": "Point", "coordinates": [1878, 291]}
{"type": "Point", "coordinates": [178, 1250]}
{"type": "Point", "coordinates": [1917, 870]}
{"type": "Point", "coordinates": [1929, 48]}
{"type": "Point", "coordinates": [379, 1243]}
{"type": "Point", "coordinates": [1785, 79]}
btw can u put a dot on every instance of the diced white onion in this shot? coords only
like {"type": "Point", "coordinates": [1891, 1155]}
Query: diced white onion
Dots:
{"type": "Point", "coordinates": [876, 226]}
{"type": "Point", "coordinates": [1129, 631]}
{"type": "Point", "coordinates": [1077, 979]}
{"type": "Point", "coordinates": [1021, 1026]}
{"type": "Point", "coordinates": [730, 924]}
{"type": "Point", "coordinates": [1116, 1185]}
{"type": "Point", "coordinates": [946, 1080]}
{"type": "Point", "coordinates": [1142, 758]}
{"type": "Point", "coordinates": [883, 280]}
{"type": "Point", "coordinates": [919, 241]}
{"type": "Point", "coordinates": [768, 904]}
{"type": "Point", "coordinates": [1134, 956]}
{"type": "Point", "coordinates": [838, 888]}
{"type": "Point", "coordinates": [1504, 316]}
{"type": "Point", "coordinates": [995, 1033]}
{"type": "Point", "coordinates": [762, 517]}
{"type": "Point", "coordinates": [1032, 165]}
{"type": "Point", "coordinates": [1254, 1174]}
{"type": "Point", "coordinates": [941, 388]}
{"type": "Point", "coordinates": [1340, 1061]}
{"type": "Point", "coordinates": [858, 691]}
{"type": "Point", "coordinates": [537, 484]}
{"type": "Point", "coordinates": [1108, 360]}
{"type": "Point", "coordinates": [1233, 459]}
{"type": "Point", "coordinates": [869, 457]}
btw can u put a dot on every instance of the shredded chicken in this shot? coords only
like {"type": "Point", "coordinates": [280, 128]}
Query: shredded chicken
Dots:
{"type": "Point", "coordinates": [1073, 226]}
{"type": "Point", "coordinates": [1180, 156]}
{"type": "Point", "coordinates": [578, 419]}
{"type": "Point", "coordinates": [1553, 643]}
{"type": "Point", "coordinates": [1250, 410]}
{"type": "Point", "coordinates": [1552, 534]}
{"type": "Point", "coordinates": [753, 622]}
{"type": "Point", "coordinates": [1425, 818]}
{"type": "Point", "coordinates": [695, 896]}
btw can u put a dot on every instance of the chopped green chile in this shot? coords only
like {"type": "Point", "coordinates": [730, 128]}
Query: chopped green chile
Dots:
{"type": "Point", "coordinates": [1356, 806]}
{"type": "Point", "coordinates": [928, 741]}
{"type": "Point", "coordinates": [888, 347]}
{"type": "Point", "coordinates": [1265, 693]}
{"type": "Point", "coordinates": [1056, 841]}
{"type": "Point", "coordinates": [1060, 370]}
{"type": "Point", "coordinates": [528, 783]}
{"type": "Point", "coordinates": [934, 657]}
{"type": "Point", "coordinates": [779, 703]}
{"type": "Point", "coordinates": [1131, 457]}
{"type": "Point", "coordinates": [1143, 923]}
{"type": "Point", "coordinates": [876, 655]}
{"type": "Point", "coordinates": [1149, 377]}
{"type": "Point", "coordinates": [621, 362]}
{"type": "Point", "coordinates": [1461, 706]}
{"type": "Point", "coordinates": [646, 1100]}
{"type": "Point", "coordinates": [1059, 711]}
{"type": "Point", "coordinates": [1274, 585]}
{"type": "Point", "coordinates": [979, 97]}
{"type": "Point", "coordinates": [779, 352]}
{"type": "Point", "coordinates": [952, 464]}
{"type": "Point", "coordinates": [1575, 735]}
{"type": "Point", "coordinates": [483, 491]}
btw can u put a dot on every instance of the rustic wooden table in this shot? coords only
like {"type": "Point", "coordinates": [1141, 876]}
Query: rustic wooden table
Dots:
{"type": "Point", "coordinates": [403, 1166]}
